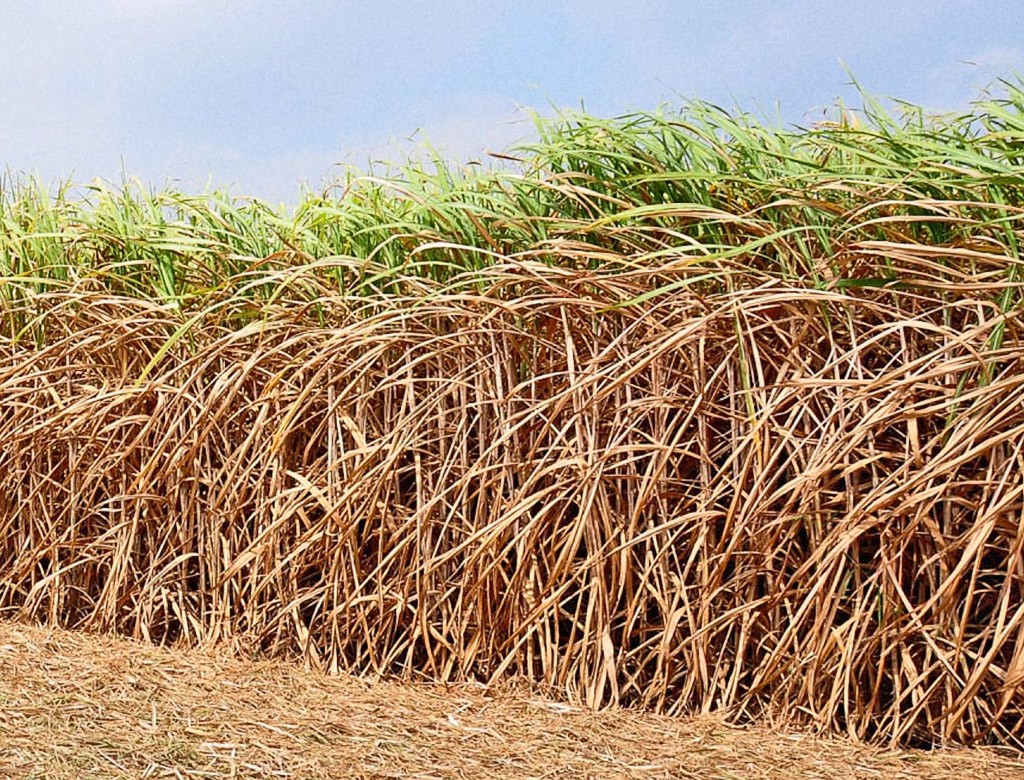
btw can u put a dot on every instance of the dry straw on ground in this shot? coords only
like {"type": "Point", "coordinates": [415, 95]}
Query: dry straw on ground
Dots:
{"type": "Point", "coordinates": [86, 706]}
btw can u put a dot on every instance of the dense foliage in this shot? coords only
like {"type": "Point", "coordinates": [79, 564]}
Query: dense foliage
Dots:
{"type": "Point", "coordinates": [678, 410]}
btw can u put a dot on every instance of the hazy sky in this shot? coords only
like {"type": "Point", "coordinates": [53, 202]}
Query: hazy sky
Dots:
{"type": "Point", "coordinates": [260, 95]}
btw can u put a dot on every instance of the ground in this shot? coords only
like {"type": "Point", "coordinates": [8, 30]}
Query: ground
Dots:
{"type": "Point", "coordinates": [74, 705]}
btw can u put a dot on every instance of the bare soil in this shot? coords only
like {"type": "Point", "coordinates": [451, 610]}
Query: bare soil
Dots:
{"type": "Point", "coordinates": [74, 705]}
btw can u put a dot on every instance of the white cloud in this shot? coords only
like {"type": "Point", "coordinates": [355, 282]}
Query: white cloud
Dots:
{"type": "Point", "coordinates": [146, 8]}
{"type": "Point", "coordinates": [264, 94]}
{"type": "Point", "coordinates": [275, 177]}
{"type": "Point", "coordinates": [182, 89]}
{"type": "Point", "coordinates": [953, 85]}
{"type": "Point", "coordinates": [477, 124]}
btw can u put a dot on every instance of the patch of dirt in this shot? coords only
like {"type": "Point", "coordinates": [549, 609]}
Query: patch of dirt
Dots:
{"type": "Point", "coordinates": [74, 705]}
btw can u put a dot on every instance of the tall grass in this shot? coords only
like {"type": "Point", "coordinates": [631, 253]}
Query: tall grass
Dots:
{"type": "Point", "coordinates": [683, 412]}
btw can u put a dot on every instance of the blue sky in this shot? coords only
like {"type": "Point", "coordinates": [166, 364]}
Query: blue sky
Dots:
{"type": "Point", "coordinates": [261, 95]}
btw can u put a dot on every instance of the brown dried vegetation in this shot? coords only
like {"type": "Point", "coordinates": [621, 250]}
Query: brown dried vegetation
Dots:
{"type": "Point", "coordinates": [765, 499]}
